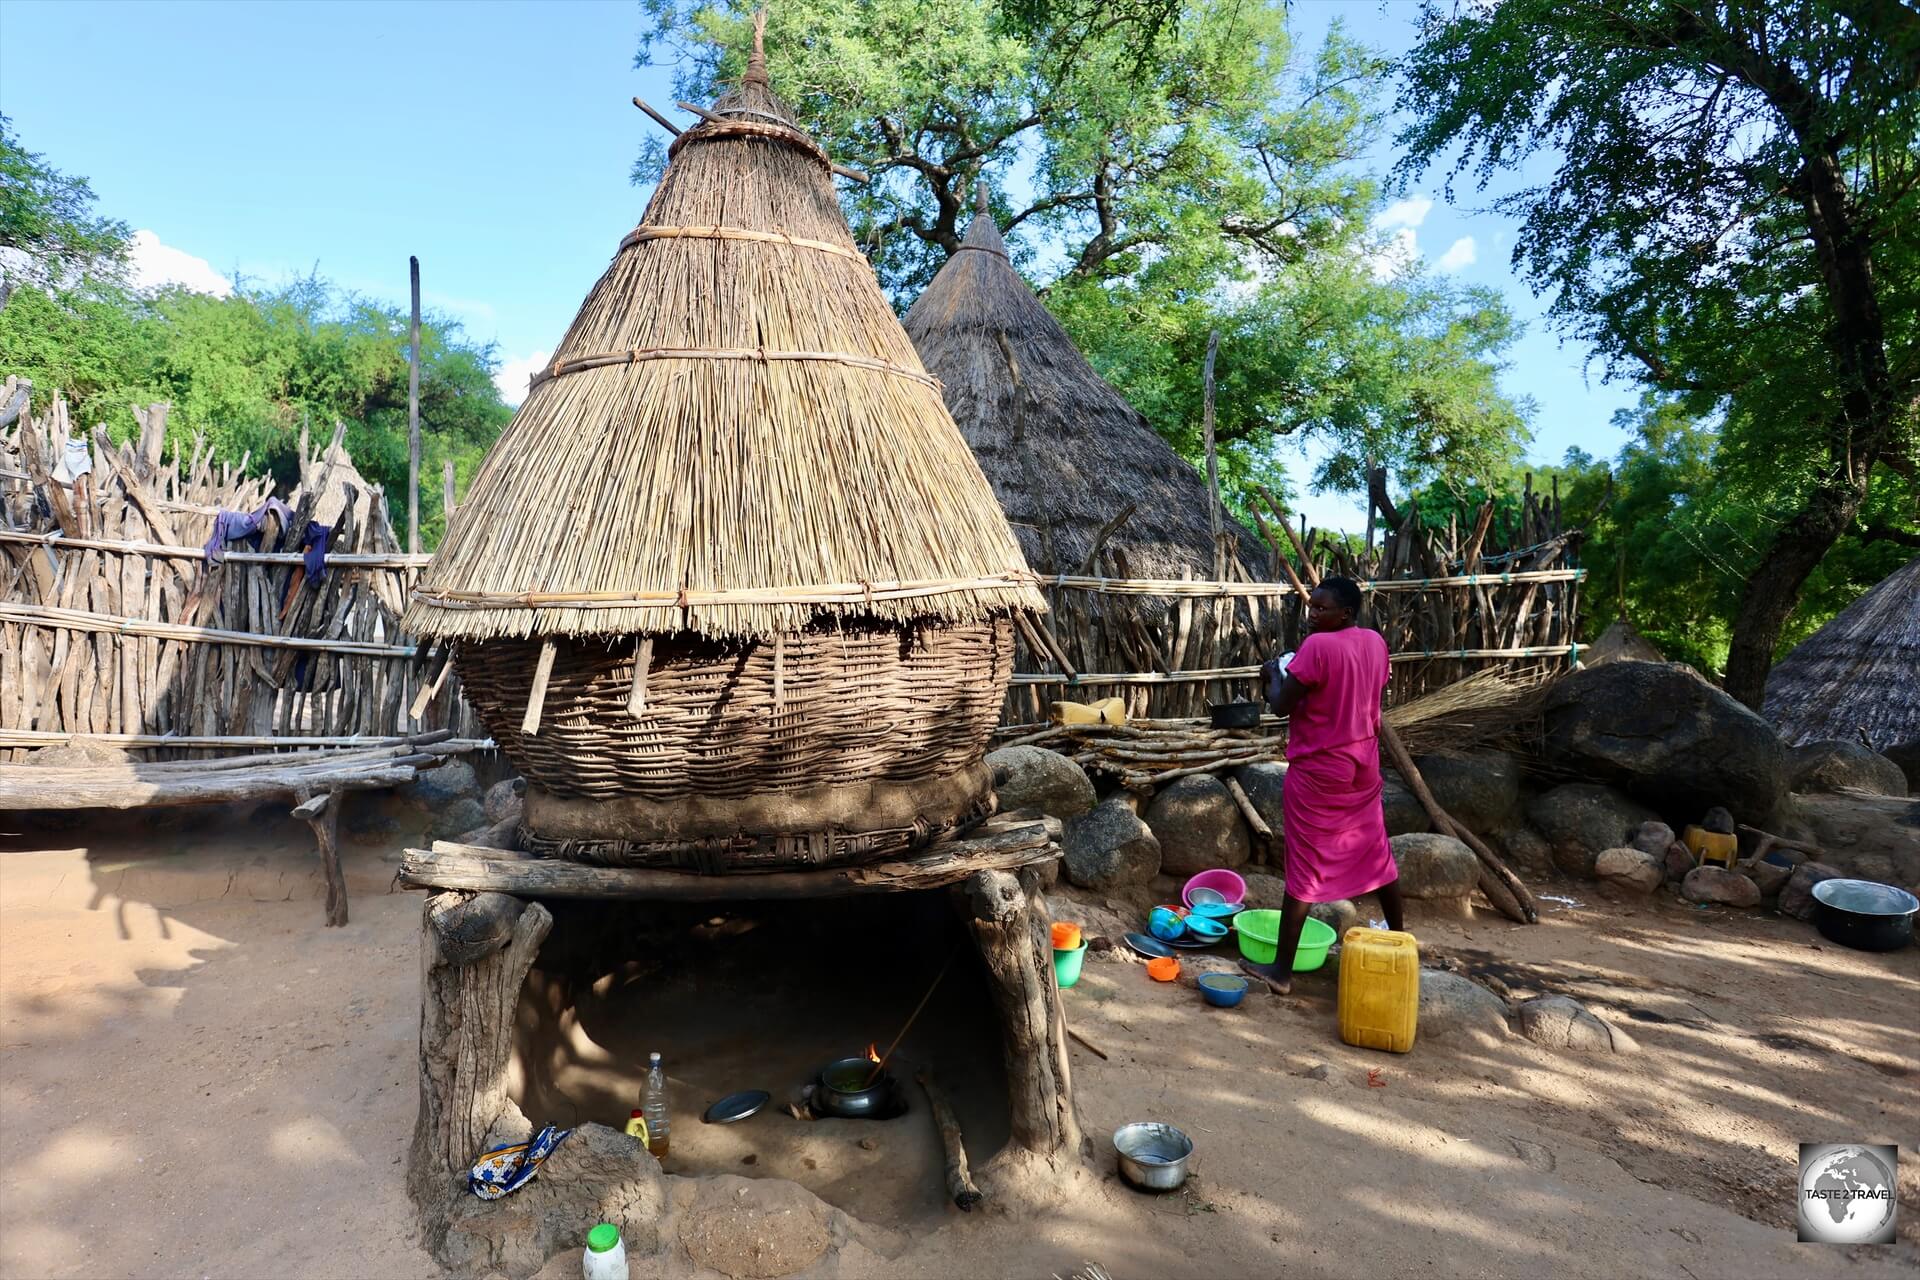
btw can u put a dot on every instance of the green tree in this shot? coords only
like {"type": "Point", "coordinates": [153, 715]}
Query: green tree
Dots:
{"type": "Point", "coordinates": [249, 371]}
{"type": "Point", "coordinates": [1162, 170]}
{"type": "Point", "coordinates": [1729, 220]}
{"type": "Point", "coordinates": [48, 223]}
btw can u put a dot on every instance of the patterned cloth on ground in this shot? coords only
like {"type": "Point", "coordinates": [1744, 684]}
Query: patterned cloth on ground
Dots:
{"type": "Point", "coordinates": [506, 1169]}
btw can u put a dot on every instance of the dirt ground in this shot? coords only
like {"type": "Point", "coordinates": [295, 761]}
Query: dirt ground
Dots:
{"type": "Point", "coordinates": [197, 1079]}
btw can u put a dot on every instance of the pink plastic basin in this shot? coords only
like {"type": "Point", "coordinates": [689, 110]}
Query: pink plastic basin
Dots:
{"type": "Point", "coordinates": [1227, 884]}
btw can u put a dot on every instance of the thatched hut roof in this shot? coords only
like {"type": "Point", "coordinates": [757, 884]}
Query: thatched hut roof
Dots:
{"type": "Point", "coordinates": [1620, 642]}
{"type": "Point", "coordinates": [1064, 451]}
{"type": "Point", "coordinates": [735, 437]}
{"type": "Point", "coordinates": [1859, 674]}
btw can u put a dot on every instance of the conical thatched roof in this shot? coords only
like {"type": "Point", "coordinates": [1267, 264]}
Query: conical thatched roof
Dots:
{"type": "Point", "coordinates": [1064, 451]}
{"type": "Point", "coordinates": [1859, 674]}
{"type": "Point", "coordinates": [1620, 642]}
{"type": "Point", "coordinates": [735, 436]}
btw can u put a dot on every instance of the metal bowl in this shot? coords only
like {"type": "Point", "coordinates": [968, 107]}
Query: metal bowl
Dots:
{"type": "Point", "coordinates": [835, 1097]}
{"type": "Point", "coordinates": [1235, 715]}
{"type": "Point", "coordinates": [1865, 914]}
{"type": "Point", "coordinates": [1153, 1156]}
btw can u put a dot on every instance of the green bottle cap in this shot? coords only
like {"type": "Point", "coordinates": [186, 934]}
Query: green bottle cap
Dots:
{"type": "Point", "coordinates": [603, 1237]}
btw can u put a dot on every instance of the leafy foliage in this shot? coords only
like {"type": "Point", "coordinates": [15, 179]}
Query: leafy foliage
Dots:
{"type": "Point", "coordinates": [1162, 169]}
{"type": "Point", "coordinates": [47, 223]}
{"type": "Point", "coordinates": [1729, 221]}
{"type": "Point", "coordinates": [249, 371]}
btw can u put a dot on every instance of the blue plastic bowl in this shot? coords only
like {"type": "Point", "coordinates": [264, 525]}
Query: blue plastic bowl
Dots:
{"type": "Point", "coordinates": [1165, 925]}
{"type": "Point", "coordinates": [1206, 927]}
{"type": "Point", "coordinates": [1223, 990]}
{"type": "Point", "coordinates": [1218, 910]}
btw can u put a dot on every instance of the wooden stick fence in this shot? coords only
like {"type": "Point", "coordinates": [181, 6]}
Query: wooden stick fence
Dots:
{"type": "Point", "coordinates": [114, 630]}
{"type": "Point", "coordinates": [1484, 592]}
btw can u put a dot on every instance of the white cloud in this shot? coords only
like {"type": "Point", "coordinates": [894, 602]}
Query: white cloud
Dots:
{"type": "Point", "coordinates": [1410, 212]}
{"type": "Point", "coordinates": [155, 264]}
{"type": "Point", "coordinates": [513, 375]}
{"type": "Point", "coordinates": [1459, 254]}
{"type": "Point", "coordinates": [1394, 255]}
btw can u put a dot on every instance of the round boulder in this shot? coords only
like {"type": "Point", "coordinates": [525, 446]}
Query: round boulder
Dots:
{"type": "Point", "coordinates": [456, 816]}
{"type": "Point", "coordinates": [1796, 899]}
{"type": "Point", "coordinates": [1339, 915]}
{"type": "Point", "coordinates": [1265, 784]}
{"type": "Point", "coordinates": [1042, 780]}
{"type": "Point", "coordinates": [1721, 887]}
{"type": "Point", "coordinates": [1654, 838]}
{"type": "Point", "coordinates": [1198, 826]}
{"type": "Point", "coordinates": [433, 789]}
{"type": "Point", "coordinates": [1402, 809]}
{"type": "Point", "coordinates": [1906, 758]}
{"type": "Point", "coordinates": [503, 799]}
{"type": "Point", "coordinates": [1110, 847]}
{"type": "Point", "coordinates": [1634, 870]}
{"type": "Point", "coordinates": [1435, 868]}
{"type": "Point", "coordinates": [1453, 1008]}
{"type": "Point", "coordinates": [1525, 849]}
{"type": "Point", "coordinates": [1668, 735]}
{"type": "Point", "coordinates": [1848, 766]}
{"type": "Point", "coordinates": [1582, 819]}
{"type": "Point", "coordinates": [1481, 790]}
{"type": "Point", "coordinates": [1559, 1022]}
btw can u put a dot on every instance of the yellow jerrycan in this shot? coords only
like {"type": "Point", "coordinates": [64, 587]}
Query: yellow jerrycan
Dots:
{"type": "Point", "coordinates": [1379, 989]}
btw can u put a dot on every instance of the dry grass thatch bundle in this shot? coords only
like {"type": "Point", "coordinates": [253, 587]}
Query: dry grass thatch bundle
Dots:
{"type": "Point", "coordinates": [1064, 451]}
{"type": "Point", "coordinates": [1854, 679]}
{"type": "Point", "coordinates": [731, 590]}
{"type": "Point", "coordinates": [1495, 708]}
{"type": "Point", "coordinates": [735, 437]}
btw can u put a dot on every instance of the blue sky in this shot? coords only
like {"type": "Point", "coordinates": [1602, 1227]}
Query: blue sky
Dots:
{"type": "Point", "coordinates": [494, 140]}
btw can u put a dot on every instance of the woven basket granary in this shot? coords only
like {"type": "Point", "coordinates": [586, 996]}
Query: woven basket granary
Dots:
{"type": "Point", "coordinates": [732, 561]}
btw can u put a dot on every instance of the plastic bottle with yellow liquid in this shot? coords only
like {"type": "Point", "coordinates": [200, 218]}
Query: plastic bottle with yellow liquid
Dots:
{"type": "Point", "coordinates": [1379, 989]}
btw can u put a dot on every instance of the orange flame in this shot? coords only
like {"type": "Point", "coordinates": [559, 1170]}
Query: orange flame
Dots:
{"type": "Point", "coordinates": [873, 1052]}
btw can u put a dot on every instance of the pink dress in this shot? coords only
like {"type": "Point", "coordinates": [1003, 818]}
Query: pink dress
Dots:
{"type": "Point", "coordinates": [1336, 834]}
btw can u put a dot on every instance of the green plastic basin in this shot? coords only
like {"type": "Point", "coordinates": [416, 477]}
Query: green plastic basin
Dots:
{"type": "Point", "coordinates": [1259, 934]}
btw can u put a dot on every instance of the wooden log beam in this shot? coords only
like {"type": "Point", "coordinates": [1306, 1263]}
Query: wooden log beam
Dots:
{"type": "Point", "coordinates": [959, 1180]}
{"type": "Point", "coordinates": [27, 787]}
{"type": "Point", "coordinates": [999, 848]}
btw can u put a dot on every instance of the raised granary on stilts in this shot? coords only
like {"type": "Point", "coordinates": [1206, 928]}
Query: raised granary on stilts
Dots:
{"type": "Point", "coordinates": [730, 589]}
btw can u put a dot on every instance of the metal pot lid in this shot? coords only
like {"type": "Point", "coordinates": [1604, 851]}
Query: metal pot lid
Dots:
{"type": "Point", "coordinates": [736, 1106]}
{"type": "Point", "coordinates": [1866, 898]}
{"type": "Point", "coordinates": [1149, 946]}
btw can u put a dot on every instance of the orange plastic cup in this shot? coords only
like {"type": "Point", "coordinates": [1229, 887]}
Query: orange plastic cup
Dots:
{"type": "Point", "coordinates": [1163, 969]}
{"type": "Point", "coordinates": [1066, 935]}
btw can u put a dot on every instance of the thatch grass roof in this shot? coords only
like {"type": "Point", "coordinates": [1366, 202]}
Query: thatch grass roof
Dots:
{"type": "Point", "coordinates": [1858, 676]}
{"type": "Point", "coordinates": [804, 465]}
{"type": "Point", "coordinates": [1064, 451]}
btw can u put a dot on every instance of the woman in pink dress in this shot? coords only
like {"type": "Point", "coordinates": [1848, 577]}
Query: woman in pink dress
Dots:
{"type": "Point", "coordinates": [1336, 834]}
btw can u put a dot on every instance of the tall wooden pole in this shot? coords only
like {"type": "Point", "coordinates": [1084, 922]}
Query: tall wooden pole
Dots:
{"type": "Point", "coordinates": [413, 414]}
{"type": "Point", "coordinates": [1213, 463]}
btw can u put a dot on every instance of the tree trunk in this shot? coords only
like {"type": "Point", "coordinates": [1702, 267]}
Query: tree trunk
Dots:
{"type": "Point", "coordinates": [1773, 588]}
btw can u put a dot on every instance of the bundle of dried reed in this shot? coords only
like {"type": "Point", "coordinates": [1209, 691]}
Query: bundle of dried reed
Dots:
{"type": "Point", "coordinates": [734, 414]}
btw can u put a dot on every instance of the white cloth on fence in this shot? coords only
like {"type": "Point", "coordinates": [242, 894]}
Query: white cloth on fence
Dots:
{"type": "Point", "coordinates": [75, 461]}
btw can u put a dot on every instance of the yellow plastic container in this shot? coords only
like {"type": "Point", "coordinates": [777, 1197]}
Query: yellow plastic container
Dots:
{"type": "Point", "coordinates": [1379, 989]}
{"type": "Point", "coordinates": [1113, 711]}
{"type": "Point", "coordinates": [1711, 846]}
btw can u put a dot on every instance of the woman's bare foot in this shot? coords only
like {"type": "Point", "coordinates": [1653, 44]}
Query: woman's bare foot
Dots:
{"type": "Point", "coordinates": [1278, 980]}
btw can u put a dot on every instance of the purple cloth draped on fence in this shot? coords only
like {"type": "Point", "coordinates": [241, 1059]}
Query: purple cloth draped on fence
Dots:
{"type": "Point", "coordinates": [230, 526]}
{"type": "Point", "coordinates": [315, 541]}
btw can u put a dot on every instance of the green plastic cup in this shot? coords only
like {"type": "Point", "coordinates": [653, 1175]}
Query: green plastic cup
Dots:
{"type": "Point", "coordinates": [1067, 965]}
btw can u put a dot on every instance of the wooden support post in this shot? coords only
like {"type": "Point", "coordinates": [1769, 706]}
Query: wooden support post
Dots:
{"type": "Point", "coordinates": [1010, 924]}
{"type": "Point", "coordinates": [474, 957]}
{"type": "Point", "coordinates": [642, 663]}
{"type": "Point", "coordinates": [322, 813]}
{"type": "Point", "coordinates": [413, 413]}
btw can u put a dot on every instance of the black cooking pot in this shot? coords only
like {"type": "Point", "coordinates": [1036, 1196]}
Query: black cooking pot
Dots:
{"type": "Point", "coordinates": [1864, 914]}
{"type": "Point", "coordinates": [1235, 715]}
